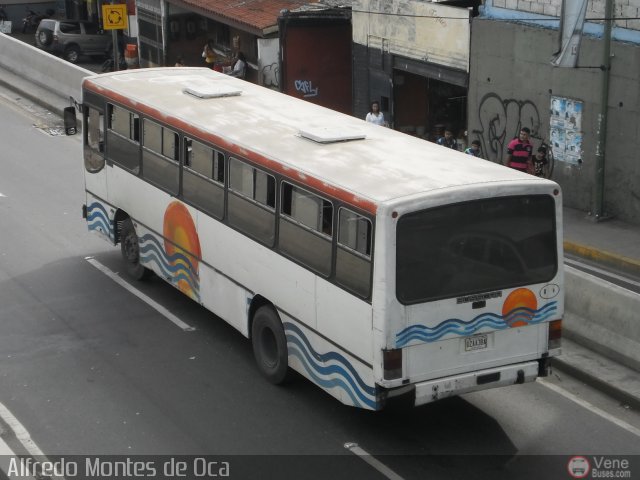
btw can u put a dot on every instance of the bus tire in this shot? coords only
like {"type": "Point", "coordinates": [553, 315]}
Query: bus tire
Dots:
{"type": "Point", "coordinates": [270, 345]}
{"type": "Point", "coordinates": [131, 252]}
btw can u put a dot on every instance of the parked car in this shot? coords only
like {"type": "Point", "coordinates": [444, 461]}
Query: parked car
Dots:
{"type": "Point", "coordinates": [72, 38]}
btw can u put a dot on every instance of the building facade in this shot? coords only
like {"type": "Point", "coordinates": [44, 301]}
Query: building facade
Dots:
{"type": "Point", "coordinates": [513, 83]}
{"type": "Point", "coordinates": [413, 58]}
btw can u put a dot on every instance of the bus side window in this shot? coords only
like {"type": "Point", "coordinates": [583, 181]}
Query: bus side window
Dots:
{"type": "Point", "coordinates": [218, 167]}
{"type": "Point", "coordinates": [170, 144]}
{"type": "Point", "coordinates": [122, 146]}
{"type": "Point", "coordinates": [251, 203]}
{"type": "Point", "coordinates": [160, 156]}
{"type": "Point", "coordinates": [119, 121]}
{"type": "Point", "coordinates": [353, 262]}
{"type": "Point", "coordinates": [305, 228]}
{"type": "Point", "coordinates": [203, 177]}
{"type": "Point", "coordinates": [94, 140]}
{"type": "Point", "coordinates": [135, 128]}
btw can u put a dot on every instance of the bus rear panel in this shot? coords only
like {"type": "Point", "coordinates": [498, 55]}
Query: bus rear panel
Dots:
{"type": "Point", "coordinates": [477, 300]}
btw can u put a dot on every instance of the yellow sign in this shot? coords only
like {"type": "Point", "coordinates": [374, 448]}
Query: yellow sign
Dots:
{"type": "Point", "coordinates": [114, 17]}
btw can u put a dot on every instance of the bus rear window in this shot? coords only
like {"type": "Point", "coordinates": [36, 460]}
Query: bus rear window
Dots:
{"type": "Point", "coordinates": [474, 247]}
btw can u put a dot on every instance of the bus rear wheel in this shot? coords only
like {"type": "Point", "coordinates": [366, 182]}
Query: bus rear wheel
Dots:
{"type": "Point", "coordinates": [270, 345]}
{"type": "Point", "coordinates": [131, 252]}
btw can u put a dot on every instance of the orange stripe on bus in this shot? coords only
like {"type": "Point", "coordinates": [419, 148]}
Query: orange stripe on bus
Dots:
{"type": "Point", "coordinates": [304, 178]}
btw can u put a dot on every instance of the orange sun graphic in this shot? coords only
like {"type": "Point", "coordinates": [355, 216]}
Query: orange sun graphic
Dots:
{"type": "Point", "coordinates": [522, 297]}
{"type": "Point", "coordinates": [181, 241]}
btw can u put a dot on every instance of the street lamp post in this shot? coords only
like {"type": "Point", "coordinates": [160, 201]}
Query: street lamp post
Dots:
{"type": "Point", "coordinates": [598, 197]}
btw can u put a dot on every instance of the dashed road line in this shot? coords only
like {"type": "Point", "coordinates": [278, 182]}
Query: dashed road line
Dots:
{"type": "Point", "coordinates": [372, 461]}
{"type": "Point", "coordinates": [148, 300]}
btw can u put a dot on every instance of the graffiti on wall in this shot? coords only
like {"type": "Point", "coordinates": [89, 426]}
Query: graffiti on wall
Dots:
{"type": "Point", "coordinates": [500, 120]}
{"type": "Point", "coordinates": [271, 76]}
{"type": "Point", "coordinates": [306, 88]}
{"type": "Point", "coordinates": [566, 129]}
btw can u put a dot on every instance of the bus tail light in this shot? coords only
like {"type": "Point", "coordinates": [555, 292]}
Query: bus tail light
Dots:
{"type": "Point", "coordinates": [555, 334]}
{"type": "Point", "coordinates": [392, 363]}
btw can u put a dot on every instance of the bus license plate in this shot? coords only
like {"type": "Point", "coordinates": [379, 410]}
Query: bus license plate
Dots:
{"type": "Point", "coordinates": [477, 342]}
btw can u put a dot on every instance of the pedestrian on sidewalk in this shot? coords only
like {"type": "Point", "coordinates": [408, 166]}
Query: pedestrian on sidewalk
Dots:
{"type": "Point", "coordinates": [448, 140]}
{"type": "Point", "coordinates": [474, 149]}
{"type": "Point", "coordinates": [540, 163]}
{"type": "Point", "coordinates": [208, 54]}
{"type": "Point", "coordinates": [519, 152]}
{"type": "Point", "coordinates": [375, 115]}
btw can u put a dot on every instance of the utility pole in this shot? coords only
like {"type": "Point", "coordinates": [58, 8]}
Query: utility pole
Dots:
{"type": "Point", "coordinates": [601, 146]}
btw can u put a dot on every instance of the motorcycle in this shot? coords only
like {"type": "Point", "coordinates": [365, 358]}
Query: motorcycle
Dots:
{"type": "Point", "coordinates": [32, 20]}
{"type": "Point", "coordinates": [108, 65]}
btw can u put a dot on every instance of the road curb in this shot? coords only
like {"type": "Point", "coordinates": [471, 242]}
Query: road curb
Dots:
{"type": "Point", "coordinates": [619, 394]}
{"type": "Point", "coordinates": [615, 260]}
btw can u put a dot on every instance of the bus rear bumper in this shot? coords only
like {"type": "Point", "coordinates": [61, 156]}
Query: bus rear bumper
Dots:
{"type": "Point", "coordinates": [432, 390]}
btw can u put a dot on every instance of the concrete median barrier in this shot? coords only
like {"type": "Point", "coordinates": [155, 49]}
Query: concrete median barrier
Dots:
{"type": "Point", "coordinates": [61, 78]}
{"type": "Point", "coordinates": [603, 317]}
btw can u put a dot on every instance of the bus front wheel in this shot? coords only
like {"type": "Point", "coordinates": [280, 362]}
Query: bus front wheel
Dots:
{"type": "Point", "coordinates": [131, 252]}
{"type": "Point", "coordinates": [270, 345]}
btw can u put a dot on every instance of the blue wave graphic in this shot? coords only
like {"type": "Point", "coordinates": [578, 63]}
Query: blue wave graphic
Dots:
{"type": "Point", "coordinates": [177, 267]}
{"type": "Point", "coordinates": [339, 374]}
{"type": "Point", "coordinates": [462, 328]}
{"type": "Point", "coordinates": [98, 219]}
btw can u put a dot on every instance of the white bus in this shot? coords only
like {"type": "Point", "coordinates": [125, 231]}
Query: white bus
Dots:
{"type": "Point", "coordinates": [381, 267]}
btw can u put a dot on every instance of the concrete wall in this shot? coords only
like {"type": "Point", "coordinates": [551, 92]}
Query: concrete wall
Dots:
{"type": "Point", "coordinates": [603, 317]}
{"type": "Point", "coordinates": [626, 11]}
{"type": "Point", "coordinates": [511, 82]}
{"type": "Point", "coordinates": [425, 31]}
{"type": "Point", "coordinates": [49, 72]}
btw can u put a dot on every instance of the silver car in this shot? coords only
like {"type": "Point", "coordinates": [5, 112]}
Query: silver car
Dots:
{"type": "Point", "coordinates": [72, 38]}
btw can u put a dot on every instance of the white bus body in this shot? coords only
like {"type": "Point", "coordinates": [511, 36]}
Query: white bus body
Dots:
{"type": "Point", "coordinates": [381, 267]}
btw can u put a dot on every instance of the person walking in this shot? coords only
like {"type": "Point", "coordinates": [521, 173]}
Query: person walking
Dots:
{"type": "Point", "coordinates": [208, 54]}
{"type": "Point", "coordinates": [375, 115]}
{"type": "Point", "coordinates": [239, 69]}
{"type": "Point", "coordinates": [448, 140]}
{"type": "Point", "coordinates": [519, 152]}
{"type": "Point", "coordinates": [474, 149]}
{"type": "Point", "coordinates": [540, 163]}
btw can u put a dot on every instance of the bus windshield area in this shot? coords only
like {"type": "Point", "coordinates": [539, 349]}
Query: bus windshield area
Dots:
{"type": "Point", "coordinates": [474, 247]}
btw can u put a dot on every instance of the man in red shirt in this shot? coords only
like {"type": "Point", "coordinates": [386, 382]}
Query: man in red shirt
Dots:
{"type": "Point", "coordinates": [519, 152]}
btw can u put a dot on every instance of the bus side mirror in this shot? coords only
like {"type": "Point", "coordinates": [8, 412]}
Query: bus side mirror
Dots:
{"type": "Point", "coordinates": [70, 121]}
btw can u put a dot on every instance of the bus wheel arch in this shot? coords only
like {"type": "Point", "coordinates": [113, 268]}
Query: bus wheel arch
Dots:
{"type": "Point", "coordinates": [129, 247]}
{"type": "Point", "coordinates": [118, 220]}
{"type": "Point", "coordinates": [269, 342]}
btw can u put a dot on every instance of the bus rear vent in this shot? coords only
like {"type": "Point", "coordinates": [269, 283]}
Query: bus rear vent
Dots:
{"type": "Point", "coordinates": [331, 134]}
{"type": "Point", "coordinates": [212, 91]}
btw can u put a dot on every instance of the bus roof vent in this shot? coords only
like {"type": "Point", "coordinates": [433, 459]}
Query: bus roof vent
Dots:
{"type": "Point", "coordinates": [212, 90]}
{"type": "Point", "coordinates": [331, 134]}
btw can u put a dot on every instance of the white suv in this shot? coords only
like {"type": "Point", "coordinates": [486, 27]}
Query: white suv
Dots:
{"type": "Point", "coordinates": [72, 38]}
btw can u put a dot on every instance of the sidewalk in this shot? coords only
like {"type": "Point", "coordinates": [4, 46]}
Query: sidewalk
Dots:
{"type": "Point", "coordinates": [612, 243]}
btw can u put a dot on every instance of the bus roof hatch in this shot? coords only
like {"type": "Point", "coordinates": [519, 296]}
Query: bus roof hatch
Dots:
{"type": "Point", "coordinates": [331, 134]}
{"type": "Point", "coordinates": [212, 91]}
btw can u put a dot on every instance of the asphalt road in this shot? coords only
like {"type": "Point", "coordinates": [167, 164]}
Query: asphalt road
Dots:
{"type": "Point", "coordinates": [89, 368]}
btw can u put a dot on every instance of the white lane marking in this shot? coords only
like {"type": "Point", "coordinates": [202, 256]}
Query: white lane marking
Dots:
{"type": "Point", "coordinates": [378, 465]}
{"type": "Point", "coordinates": [149, 301]}
{"type": "Point", "coordinates": [21, 433]}
{"type": "Point", "coordinates": [2, 195]}
{"type": "Point", "coordinates": [574, 264]}
{"type": "Point", "coordinates": [592, 408]}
